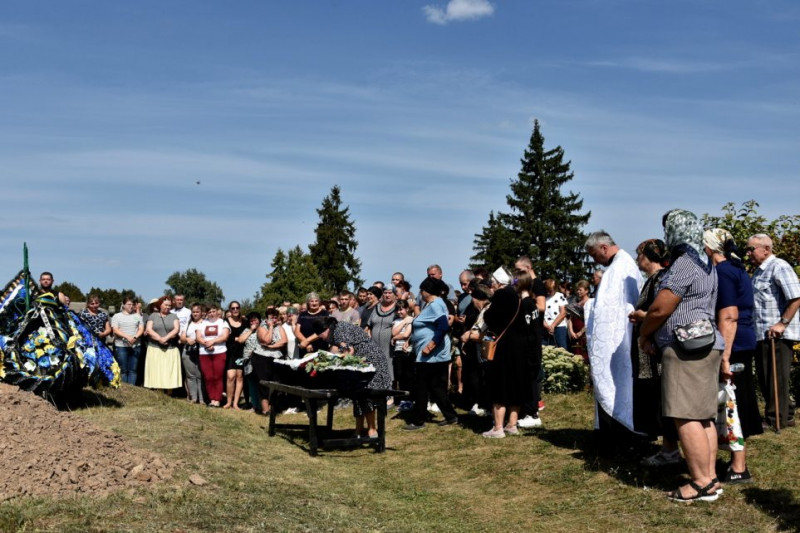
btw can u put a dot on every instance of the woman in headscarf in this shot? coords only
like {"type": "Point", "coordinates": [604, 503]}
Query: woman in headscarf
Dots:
{"type": "Point", "coordinates": [735, 319]}
{"type": "Point", "coordinates": [349, 338]}
{"type": "Point", "coordinates": [686, 295]}
{"type": "Point", "coordinates": [510, 375]}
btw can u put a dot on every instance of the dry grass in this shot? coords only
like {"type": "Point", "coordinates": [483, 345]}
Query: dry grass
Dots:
{"type": "Point", "coordinates": [437, 479]}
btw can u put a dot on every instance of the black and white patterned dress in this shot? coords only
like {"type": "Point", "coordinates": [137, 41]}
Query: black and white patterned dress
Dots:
{"type": "Point", "coordinates": [363, 346]}
{"type": "Point", "coordinates": [96, 322]}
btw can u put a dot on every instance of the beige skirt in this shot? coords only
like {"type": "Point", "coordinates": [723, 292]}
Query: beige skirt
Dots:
{"type": "Point", "coordinates": [162, 368]}
{"type": "Point", "coordinates": [689, 384]}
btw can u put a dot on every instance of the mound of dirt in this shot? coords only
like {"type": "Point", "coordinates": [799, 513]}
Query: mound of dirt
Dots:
{"type": "Point", "coordinates": [44, 451]}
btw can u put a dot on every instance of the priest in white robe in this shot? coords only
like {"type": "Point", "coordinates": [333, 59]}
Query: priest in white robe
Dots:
{"type": "Point", "coordinates": [609, 336]}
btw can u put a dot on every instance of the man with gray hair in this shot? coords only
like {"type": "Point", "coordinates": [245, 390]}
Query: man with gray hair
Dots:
{"type": "Point", "coordinates": [609, 334]}
{"type": "Point", "coordinates": [776, 291]}
{"type": "Point", "coordinates": [435, 271]}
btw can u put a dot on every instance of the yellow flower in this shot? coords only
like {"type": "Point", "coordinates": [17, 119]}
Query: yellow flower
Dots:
{"type": "Point", "coordinates": [117, 375]}
{"type": "Point", "coordinates": [39, 352]}
{"type": "Point", "coordinates": [71, 342]}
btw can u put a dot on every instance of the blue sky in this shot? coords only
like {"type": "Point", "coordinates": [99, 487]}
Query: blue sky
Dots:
{"type": "Point", "coordinates": [419, 111]}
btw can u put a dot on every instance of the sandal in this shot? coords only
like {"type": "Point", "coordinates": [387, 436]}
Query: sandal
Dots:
{"type": "Point", "coordinates": [703, 493]}
{"type": "Point", "coordinates": [714, 481]}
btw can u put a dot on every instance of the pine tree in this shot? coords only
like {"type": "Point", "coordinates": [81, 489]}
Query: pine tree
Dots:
{"type": "Point", "coordinates": [543, 223]}
{"type": "Point", "coordinates": [333, 252]}
{"type": "Point", "coordinates": [494, 246]}
{"type": "Point", "coordinates": [293, 276]}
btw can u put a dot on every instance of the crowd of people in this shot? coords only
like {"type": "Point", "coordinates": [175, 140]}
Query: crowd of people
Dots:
{"type": "Point", "coordinates": [660, 331]}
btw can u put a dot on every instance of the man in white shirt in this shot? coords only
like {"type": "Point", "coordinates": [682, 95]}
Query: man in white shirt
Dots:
{"type": "Point", "coordinates": [184, 314]}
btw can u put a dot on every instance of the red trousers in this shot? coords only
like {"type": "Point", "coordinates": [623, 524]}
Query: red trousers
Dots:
{"type": "Point", "coordinates": [213, 369]}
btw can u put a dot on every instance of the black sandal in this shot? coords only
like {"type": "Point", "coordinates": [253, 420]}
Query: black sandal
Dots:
{"type": "Point", "coordinates": [703, 493]}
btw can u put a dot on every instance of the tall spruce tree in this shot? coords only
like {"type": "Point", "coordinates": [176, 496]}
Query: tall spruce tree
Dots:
{"type": "Point", "coordinates": [543, 222]}
{"type": "Point", "coordinates": [333, 253]}
{"type": "Point", "coordinates": [293, 276]}
{"type": "Point", "coordinates": [494, 246]}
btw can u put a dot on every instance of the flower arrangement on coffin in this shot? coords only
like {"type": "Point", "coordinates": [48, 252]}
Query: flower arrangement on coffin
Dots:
{"type": "Point", "coordinates": [323, 360]}
{"type": "Point", "coordinates": [565, 372]}
{"type": "Point", "coordinates": [324, 369]}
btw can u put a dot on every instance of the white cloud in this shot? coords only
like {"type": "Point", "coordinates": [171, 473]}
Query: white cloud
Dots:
{"type": "Point", "coordinates": [458, 10]}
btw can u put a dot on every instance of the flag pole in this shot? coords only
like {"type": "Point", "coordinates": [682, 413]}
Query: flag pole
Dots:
{"type": "Point", "coordinates": [26, 273]}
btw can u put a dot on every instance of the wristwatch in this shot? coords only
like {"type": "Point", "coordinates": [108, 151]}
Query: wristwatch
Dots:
{"type": "Point", "coordinates": [784, 321]}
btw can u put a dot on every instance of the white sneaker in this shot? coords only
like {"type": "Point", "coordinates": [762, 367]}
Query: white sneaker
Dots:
{"type": "Point", "coordinates": [494, 434]}
{"type": "Point", "coordinates": [477, 411]}
{"type": "Point", "coordinates": [530, 422]}
{"type": "Point", "coordinates": [433, 408]}
{"type": "Point", "coordinates": [290, 411]}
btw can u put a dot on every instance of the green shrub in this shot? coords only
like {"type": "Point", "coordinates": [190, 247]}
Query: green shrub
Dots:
{"type": "Point", "coordinates": [564, 372]}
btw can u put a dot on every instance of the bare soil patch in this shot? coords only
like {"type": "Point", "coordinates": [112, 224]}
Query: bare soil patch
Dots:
{"type": "Point", "coordinates": [47, 452]}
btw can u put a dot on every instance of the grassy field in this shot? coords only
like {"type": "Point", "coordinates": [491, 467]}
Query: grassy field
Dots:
{"type": "Point", "coordinates": [438, 479]}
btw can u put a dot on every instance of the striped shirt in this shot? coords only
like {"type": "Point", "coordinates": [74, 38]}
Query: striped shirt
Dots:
{"type": "Point", "coordinates": [774, 285]}
{"type": "Point", "coordinates": [698, 293]}
{"type": "Point", "coordinates": [127, 323]}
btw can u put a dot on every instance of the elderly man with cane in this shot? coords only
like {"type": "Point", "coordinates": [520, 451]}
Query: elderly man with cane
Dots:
{"type": "Point", "coordinates": [777, 297]}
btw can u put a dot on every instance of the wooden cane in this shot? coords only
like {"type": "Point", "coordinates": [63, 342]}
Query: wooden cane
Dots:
{"type": "Point", "coordinates": [775, 387]}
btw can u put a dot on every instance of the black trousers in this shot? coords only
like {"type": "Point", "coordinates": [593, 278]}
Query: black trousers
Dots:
{"type": "Point", "coordinates": [472, 375]}
{"type": "Point", "coordinates": [430, 382]}
{"type": "Point", "coordinates": [783, 362]}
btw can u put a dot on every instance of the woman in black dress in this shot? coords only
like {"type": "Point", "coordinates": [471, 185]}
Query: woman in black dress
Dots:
{"type": "Point", "coordinates": [509, 374]}
{"type": "Point", "coordinates": [234, 368]}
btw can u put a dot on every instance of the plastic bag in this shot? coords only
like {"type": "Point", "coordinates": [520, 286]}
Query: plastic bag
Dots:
{"type": "Point", "coordinates": [729, 429]}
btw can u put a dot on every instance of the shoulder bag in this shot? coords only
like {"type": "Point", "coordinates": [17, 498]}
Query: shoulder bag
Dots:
{"type": "Point", "coordinates": [489, 345]}
{"type": "Point", "coordinates": [697, 337]}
